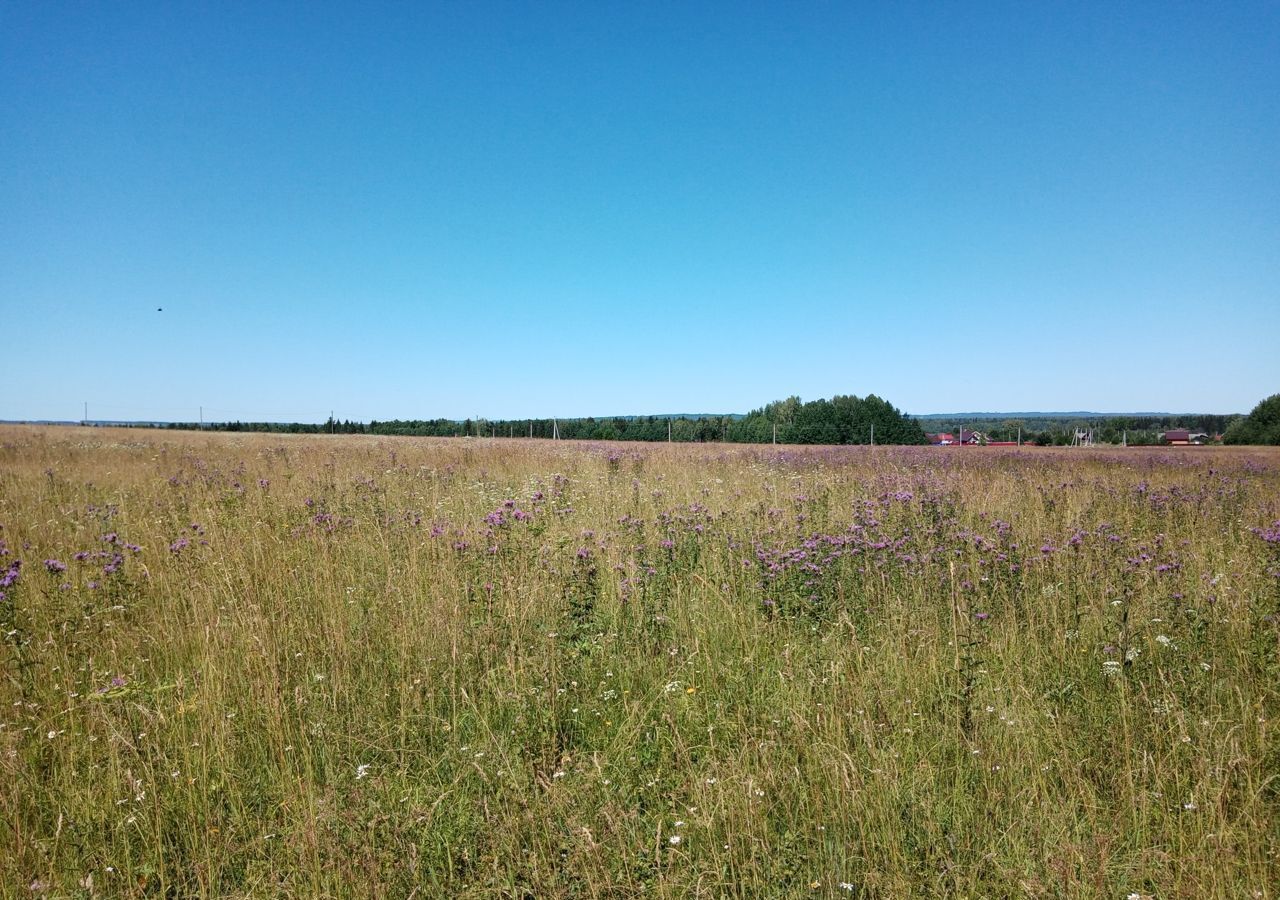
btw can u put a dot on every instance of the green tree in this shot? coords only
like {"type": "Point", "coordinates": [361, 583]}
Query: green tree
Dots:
{"type": "Point", "coordinates": [1261, 426]}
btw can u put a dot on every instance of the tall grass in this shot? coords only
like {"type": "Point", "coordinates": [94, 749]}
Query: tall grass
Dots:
{"type": "Point", "coordinates": [455, 668]}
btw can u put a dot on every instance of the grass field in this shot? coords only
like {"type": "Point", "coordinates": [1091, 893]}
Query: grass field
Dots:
{"type": "Point", "coordinates": [260, 666]}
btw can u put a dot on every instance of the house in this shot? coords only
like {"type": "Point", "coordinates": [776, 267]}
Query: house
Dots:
{"type": "Point", "coordinates": [946, 439]}
{"type": "Point", "coordinates": [1179, 437]}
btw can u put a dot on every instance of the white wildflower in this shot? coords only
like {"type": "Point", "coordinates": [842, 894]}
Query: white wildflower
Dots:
{"type": "Point", "coordinates": [362, 770]}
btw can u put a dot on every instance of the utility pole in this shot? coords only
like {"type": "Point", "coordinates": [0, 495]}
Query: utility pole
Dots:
{"type": "Point", "coordinates": [202, 418]}
{"type": "Point", "coordinates": [668, 431]}
{"type": "Point", "coordinates": [775, 432]}
{"type": "Point", "coordinates": [85, 420]}
{"type": "Point", "coordinates": [873, 434]}
{"type": "Point", "coordinates": [531, 429]}
{"type": "Point", "coordinates": [1019, 435]}
{"type": "Point", "coordinates": [331, 421]}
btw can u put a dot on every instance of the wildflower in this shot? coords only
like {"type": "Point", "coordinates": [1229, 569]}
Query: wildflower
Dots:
{"type": "Point", "coordinates": [362, 770]}
{"type": "Point", "coordinates": [55, 566]}
{"type": "Point", "coordinates": [982, 616]}
{"type": "Point", "coordinates": [674, 840]}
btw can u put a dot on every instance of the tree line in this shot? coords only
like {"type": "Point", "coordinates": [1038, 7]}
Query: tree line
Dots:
{"type": "Point", "coordinates": [1060, 430]}
{"type": "Point", "coordinates": [844, 419]}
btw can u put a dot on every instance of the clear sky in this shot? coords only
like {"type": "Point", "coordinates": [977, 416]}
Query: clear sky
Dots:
{"type": "Point", "coordinates": [465, 209]}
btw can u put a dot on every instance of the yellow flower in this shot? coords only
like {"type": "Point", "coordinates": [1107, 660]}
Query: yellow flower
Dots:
{"type": "Point", "coordinates": [691, 690]}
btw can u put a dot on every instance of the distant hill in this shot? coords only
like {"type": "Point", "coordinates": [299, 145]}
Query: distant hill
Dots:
{"type": "Point", "coordinates": [632, 418]}
{"type": "Point", "coordinates": [1078, 414]}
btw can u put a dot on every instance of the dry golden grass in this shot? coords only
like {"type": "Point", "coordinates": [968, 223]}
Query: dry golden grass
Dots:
{"type": "Point", "coordinates": [345, 666]}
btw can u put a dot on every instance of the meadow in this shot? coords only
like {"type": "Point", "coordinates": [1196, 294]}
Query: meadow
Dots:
{"type": "Point", "coordinates": [285, 666]}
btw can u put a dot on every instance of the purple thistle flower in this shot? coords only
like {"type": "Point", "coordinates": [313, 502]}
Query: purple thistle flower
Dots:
{"type": "Point", "coordinates": [1270, 535]}
{"type": "Point", "coordinates": [982, 616]}
{"type": "Point", "coordinates": [55, 566]}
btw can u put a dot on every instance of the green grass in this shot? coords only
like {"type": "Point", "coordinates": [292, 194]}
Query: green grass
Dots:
{"type": "Point", "coordinates": [378, 693]}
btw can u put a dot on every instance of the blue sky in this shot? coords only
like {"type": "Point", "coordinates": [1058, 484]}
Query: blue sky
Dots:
{"type": "Point", "coordinates": [508, 210]}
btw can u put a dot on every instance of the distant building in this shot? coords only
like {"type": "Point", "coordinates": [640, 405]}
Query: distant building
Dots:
{"type": "Point", "coordinates": [1181, 437]}
{"type": "Point", "coordinates": [946, 439]}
